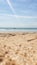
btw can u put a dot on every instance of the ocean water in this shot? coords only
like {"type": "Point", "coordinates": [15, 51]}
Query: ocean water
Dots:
{"type": "Point", "coordinates": [18, 29]}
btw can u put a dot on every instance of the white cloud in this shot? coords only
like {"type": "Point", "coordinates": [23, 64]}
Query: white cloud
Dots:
{"type": "Point", "coordinates": [21, 21]}
{"type": "Point", "coordinates": [18, 16]}
{"type": "Point", "coordinates": [13, 10]}
{"type": "Point", "coordinates": [9, 3]}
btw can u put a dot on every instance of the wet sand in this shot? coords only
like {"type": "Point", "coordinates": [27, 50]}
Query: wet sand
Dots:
{"type": "Point", "coordinates": [19, 48]}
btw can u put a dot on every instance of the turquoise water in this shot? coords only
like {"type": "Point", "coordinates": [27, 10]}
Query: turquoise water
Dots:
{"type": "Point", "coordinates": [4, 29]}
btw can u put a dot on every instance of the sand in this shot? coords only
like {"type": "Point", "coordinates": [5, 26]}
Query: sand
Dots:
{"type": "Point", "coordinates": [18, 48]}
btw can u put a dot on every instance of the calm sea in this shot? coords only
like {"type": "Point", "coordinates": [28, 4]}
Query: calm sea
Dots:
{"type": "Point", "coordinates": [18, 29]}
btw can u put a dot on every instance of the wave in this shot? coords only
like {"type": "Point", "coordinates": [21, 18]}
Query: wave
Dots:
{"type": "Point", "coordinates": [17, 29]}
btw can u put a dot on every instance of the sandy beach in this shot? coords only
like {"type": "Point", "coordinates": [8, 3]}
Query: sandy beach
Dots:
{"type": "Point", "coordinates": [18, 48]}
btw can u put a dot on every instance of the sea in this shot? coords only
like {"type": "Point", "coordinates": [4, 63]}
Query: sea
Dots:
{"type": "Point", "coordinates": [9, 29]}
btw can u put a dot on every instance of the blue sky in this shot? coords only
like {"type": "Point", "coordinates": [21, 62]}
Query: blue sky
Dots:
{"type": "Point", "coordinates": [18, 13]}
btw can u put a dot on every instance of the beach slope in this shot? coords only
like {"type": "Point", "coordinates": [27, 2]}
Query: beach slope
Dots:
{"type": "Point", "coordinates": [18, 48]}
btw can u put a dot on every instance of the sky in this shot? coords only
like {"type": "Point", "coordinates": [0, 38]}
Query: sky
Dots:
{"type": "Point", "coordinates": [18, 13]}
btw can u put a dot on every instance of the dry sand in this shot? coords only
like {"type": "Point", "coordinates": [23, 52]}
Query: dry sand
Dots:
{"type": "Point", "coordinates": [18, 48]}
